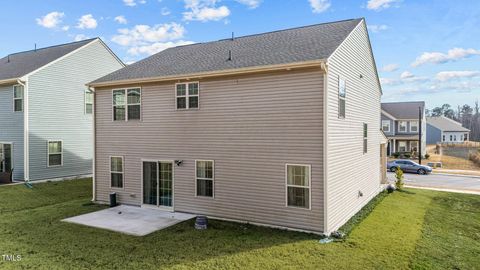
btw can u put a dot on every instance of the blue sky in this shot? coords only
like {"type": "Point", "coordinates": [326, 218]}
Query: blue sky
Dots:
{"type": "Point", "coordinates": [425, 50]}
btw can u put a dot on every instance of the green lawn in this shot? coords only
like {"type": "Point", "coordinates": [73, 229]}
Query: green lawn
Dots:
{"type": "Point", "coordinates": [415, 229]}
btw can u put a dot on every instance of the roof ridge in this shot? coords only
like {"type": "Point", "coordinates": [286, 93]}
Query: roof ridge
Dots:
{"type": "Point", "coordinates": [269, 32]}
{"type": "Point", "coordinates": [53, 46]}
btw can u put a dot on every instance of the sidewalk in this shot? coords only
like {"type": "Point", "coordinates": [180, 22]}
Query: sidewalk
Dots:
{"type": "Point", "coordinates": [456, 172]}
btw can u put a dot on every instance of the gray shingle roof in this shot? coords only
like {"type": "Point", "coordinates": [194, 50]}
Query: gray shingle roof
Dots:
{"type": "Point", "coordinates": [18, 64]}
{"type": "Point", "coordinates": [403, 110]}
{"type": "Point", "coordinates": [445, 124]}
{"type": "Point", "coordinates": [301, 44]}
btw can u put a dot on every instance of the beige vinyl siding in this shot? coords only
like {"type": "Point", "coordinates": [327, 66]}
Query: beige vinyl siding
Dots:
{"type": "Point", "coordinates": [57, 110]}
{"type": "Point", "coordinates": [349, 170]}
{"type": "Point", "coordinates": [250, 126]}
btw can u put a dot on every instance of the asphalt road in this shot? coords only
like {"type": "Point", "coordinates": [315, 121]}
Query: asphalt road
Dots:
{"type": "Point", "coordinates": [457, 182]}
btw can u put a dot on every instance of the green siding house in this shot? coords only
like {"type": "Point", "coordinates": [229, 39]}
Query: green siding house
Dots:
{"type": "Point", "coordinates": [46, 109]}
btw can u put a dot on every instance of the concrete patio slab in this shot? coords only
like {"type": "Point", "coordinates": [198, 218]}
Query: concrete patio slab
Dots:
{"type": "Point", "coordinates": [130, 220]}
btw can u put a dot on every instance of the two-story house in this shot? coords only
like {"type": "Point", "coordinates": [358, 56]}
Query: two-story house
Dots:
{"type": "Point", "coordinates": [46, 122]}
{"type": "Point", "coordinates": [401, 124]}
{"type": "Point", "coordinates": [273, 129]}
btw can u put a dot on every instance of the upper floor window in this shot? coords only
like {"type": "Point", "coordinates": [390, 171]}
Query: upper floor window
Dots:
{"type": "Point", "coordinates": [18, 98]}
{"type": "Point", "coordinates": [402, 126]}
{"type": "Point", "coordinates": [55, 153]}
{"type": "Point", "coordinates": [205, 175]}
{"type": "Point", "coordinates": [88, 102]}
{"type": "Point", "coordinates": [187, 95]}
{"type": "Point", "coordinates": [365, 138]}
{"type": "Point", "coordinates": [298, 185]}
{"type": "Point", "coordinates": [386, 125]}
{"type": "Point", "coordinates": [413, 126]}
{"type": "Point", "coordinates": [342, 94]}
{"type": "Point", "coordinates": [127, 104]}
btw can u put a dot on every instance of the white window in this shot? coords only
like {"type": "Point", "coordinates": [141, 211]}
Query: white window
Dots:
{"type": "Point", "coordinates": [455, 138]}
{"type": "Point", "coordinates": [465, 137]}
{"type": "Point", "coordinates": [365, 138]}
{"type": "Point", "coordinates": [88, 102]}
{"type": "Point", "coordinates": [414, 146]}
{"type": "Point", "coordinates": [55, 153]}
{"type": "Point", "coordinates": [402, 146]}
{"type": "Point", "coordinates": [116, 172]}
{"type": "Point", "coordinates": [205, 175]}
{"type": "Point", "coordinates": [342, 94]}
{"type": "Point", "coordinates": [413, 126]}
{"type": "Point", "coordinates": [127, 104]}
{"type": "Point", "coordinates": [18, 98]}
{"type": "Point", "coordinates": [298, 185]}
{"type": "Point", "coordinates": [386, 125]}
{"type": "Point", "coordinates": [443, 139]}
{"type": "Point", "coordinates": [451, 138]}
{"type": "Point", "coordinates": [402, 126]}
{"type": "Point", "coordinates": [186, 95]}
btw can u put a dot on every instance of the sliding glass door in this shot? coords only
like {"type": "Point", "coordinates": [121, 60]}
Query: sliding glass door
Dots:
{"type": "Point", "coordinates": [158, 183]}
{"type": "Point", "coordinates": [5, 157]}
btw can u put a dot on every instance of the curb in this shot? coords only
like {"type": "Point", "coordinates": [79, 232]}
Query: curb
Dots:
{"type": "Point", "coordinates": [446, 190]}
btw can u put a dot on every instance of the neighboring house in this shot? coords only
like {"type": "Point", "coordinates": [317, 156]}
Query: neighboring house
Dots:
{"type": "Point", "coordinates": [445, 130]}
{"type": "Point", "coordinates": [46, 109]}
{"type": "Point", "coordinates": [277, 129]}
{"type": "Point", "coordinates": [400, 123]}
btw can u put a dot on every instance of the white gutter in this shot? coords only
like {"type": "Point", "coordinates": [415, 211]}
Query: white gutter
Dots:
{"type": "Point", "coordinates": [26, 139]}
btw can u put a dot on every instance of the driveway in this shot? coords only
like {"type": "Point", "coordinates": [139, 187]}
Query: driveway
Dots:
{"type": "Point", "coordinates": [442, 181]}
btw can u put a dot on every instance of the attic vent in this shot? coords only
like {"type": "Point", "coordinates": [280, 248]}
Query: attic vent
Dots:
{"type": "Point", "coordinates": [229, 55]}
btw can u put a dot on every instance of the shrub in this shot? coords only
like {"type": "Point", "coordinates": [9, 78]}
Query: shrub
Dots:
{"type": "Point", "coordinates": [427, 156]}
{"type": "Point", "coordinates": [399, 177]}
{"type": "Point", "coordinates": [475, 158]}
{"type": "Point", "coordinates": [407, 155]}
{"type": "Point", "coordinates": [396, 154]}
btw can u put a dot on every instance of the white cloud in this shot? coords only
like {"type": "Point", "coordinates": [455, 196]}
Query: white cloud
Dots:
{"type": "Point", "coordinates": [449, 75]}
{"type": "Point", "coordinates": [132, 3]}
{"type": "Point", "coordinates": [65, 27]}
{"type": "Point", "coordinates": [51, 20]}
{"type": "Point", "coordinates": [120, 19]}
{"type": "Point", "coordinates": [80, 37]}
{"type": "Point", "coordinates": [390, 68]}
{"type": "Point", "coordinates": [319, 6]}
{"type": "Point", "coordinates": [204, 10]}
{"type": "Point", "coordinates": [142, 34]}
{"type": "Point", "coordinates": [377, 28]}
{"type": "Point", "coordinates": [250, 3]}
{"type": "Point", "coordinates": [452, 55]}
{"type": "Point", "coordinates": [406, 75]}
{"type": "Point", "coordinates": [165, 11]}
{"type": "Point", "coordinates": [156, 47]}
{"type": "Point", "coordinates": [378, 5]}
{"type": "Point", "coordinates": [87, 22]}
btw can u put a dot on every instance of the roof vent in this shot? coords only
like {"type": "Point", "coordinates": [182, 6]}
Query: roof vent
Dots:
{"type": "Point", "coordinates": [229, 55]}
{"type": "Point", "coordinates": [8, 58]}
{"type": "Point", "coordinates": [233, 36]}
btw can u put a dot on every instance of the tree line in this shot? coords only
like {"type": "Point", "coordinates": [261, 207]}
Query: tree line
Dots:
{"type": "Point", "coordinates": [467, 115]}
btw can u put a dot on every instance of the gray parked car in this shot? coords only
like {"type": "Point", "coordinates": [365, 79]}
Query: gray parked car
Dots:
{"type": "Point", "coordinates": [408, 166]}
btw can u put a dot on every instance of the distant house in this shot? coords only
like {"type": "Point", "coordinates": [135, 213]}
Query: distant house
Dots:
{"type": "Point", "coordinates": [442, 129]}
{"type": "Point", "coordinates": [46, 110]}
{"type": "Point", "coordinates": [400, 123]}
{"type": "Point", "coordinates": [279, 128]}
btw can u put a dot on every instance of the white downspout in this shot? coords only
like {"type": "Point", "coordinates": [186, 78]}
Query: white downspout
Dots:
{"type": "Point", "coordinates": [94, 144]}
{"type": "Point", "coordinates": [26, 152]}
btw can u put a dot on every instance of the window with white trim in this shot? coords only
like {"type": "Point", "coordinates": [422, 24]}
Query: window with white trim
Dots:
{"type": "Point", "coordinates": [413, 126]}
{"type": "Point", "coordinates": [88, 102]}
{"type": "Point", "coordinates": [386, 125]}
{"type": "Point", "coordinates": [116, 172]}
{"type": "Point", "coordinates": [18, 98]}
{"type": "Point", "coordinates": [342, 94]}
{"type": "Point", "coordinates": [55, 153]}
{"type": "Point", "coordinates": [298, 185]}
{"type": "Point", "coordinates": [127, 104]}
{"type": "Point", "coordinates": [365, 138]}
{"type": "Point", "coordinates": [205, 175]}
{"type": "Point", "coordinates": [465, 138]}
{"type": "Point", "coordinates": [402, 126]}
{"type": "Point", "coordinates": [187, 96]}
{"type": "Point", "coordinates": [402, 146]}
